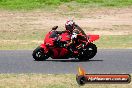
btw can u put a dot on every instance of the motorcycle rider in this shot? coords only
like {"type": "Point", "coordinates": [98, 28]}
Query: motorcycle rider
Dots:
{"type": "Point", "coordinates": [78, 36]}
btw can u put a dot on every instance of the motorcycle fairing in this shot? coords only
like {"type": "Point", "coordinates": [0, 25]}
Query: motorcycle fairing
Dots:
{"type": "Point", "coordinates": [49, 40]}
{"type": "Point", "coordinates": [44, 47]}
{"type": "Point", "coordinates": [92, 37]}
{"type": "Point", "coordinates": [65, 37]}
{"type": "Point", "coordinates": [59, 53]}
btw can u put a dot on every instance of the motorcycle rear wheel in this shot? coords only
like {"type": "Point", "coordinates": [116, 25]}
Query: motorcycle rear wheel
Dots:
{"type": "Point", "coordinates": [90, 52]}
{"type": "Point", "coordinates": [39, 55]}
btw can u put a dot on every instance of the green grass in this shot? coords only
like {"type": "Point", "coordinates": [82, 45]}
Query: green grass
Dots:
{"type": "Point", "coordinates": [49, 81]}
{"type": "Point", "coordinates": [41, 4]}
{"type": "Point", "coordinates": [31, 42]}
{"type": "Point", "coordinates": [107, 3]}
{"type": "Point", "coordinates": [115, 41]}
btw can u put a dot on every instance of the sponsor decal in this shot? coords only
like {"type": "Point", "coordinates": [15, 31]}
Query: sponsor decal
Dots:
{"type": "Point", "coordinates": [83, 78]}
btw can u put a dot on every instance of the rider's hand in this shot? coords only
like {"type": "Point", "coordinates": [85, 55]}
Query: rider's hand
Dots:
{"type": "Point", "coordinates": [79, 47]}
{"type": "Point", "coordinates": [66, 45]}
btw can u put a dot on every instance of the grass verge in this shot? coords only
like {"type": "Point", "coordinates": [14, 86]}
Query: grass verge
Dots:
{"type": "Point", "coordinates": [115, 42]}
{"type": "Point", "coordinates": [105, 42]}
{"type": "Point", "coordinates": [49, 81]}
{"type": "Point", "coordinates": [40, 4]}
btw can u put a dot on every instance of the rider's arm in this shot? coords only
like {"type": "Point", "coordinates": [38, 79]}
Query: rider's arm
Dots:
{"type": "Point", "coordinates": [80, 29]}
{"type": "Point", "coordinates": [71, 42]}
{"type": "Point", "coordinates": [73, 37]}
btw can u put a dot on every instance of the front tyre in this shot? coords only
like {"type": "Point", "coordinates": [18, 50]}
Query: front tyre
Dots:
{"type": "Point", "coordinates": [39, 55]}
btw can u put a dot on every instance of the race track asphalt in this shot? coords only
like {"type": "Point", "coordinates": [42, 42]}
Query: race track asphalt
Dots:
{"type": "Point", "coordinates": [106, 61]}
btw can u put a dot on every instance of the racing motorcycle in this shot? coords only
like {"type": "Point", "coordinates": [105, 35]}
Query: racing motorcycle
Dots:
{"type": "Point", "coordinates": [54, 47]}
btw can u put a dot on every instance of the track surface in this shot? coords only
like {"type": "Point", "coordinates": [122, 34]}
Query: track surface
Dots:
{"type": "Point", "coordinates": [106, 61]}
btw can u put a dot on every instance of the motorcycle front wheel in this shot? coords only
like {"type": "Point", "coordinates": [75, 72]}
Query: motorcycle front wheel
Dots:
{"type": "Point", "coordinates": [39, 55]}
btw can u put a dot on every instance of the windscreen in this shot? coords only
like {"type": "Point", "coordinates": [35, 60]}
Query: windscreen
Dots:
{"type": "Point", "coordinates": [53, 34]}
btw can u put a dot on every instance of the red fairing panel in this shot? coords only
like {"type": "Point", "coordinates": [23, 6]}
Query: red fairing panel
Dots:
{"type": "Point", "coordinates": [65, 36]}
{"type": "Point", "coordinates": [44, 47]}
{"type": "Point", "coordinates": [92, 37]}
{"type": "Point", "coordinates": [49, 41]}
{"type": "Point", "coordinates": [63, 52]}
{"type": "Point", "coordinates": [59, 53]}
{"type": "Point", "coordinates": [55, 53]}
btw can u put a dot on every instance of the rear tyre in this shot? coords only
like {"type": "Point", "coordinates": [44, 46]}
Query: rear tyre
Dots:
{"type": "Point", "coordinates": [39, 55]}
{"type": "Point", "coordinates": [89, 53]}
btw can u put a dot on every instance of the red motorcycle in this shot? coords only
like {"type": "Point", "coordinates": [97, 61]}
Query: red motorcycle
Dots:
{"type": "Point", "coordinates": [54, 47]}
